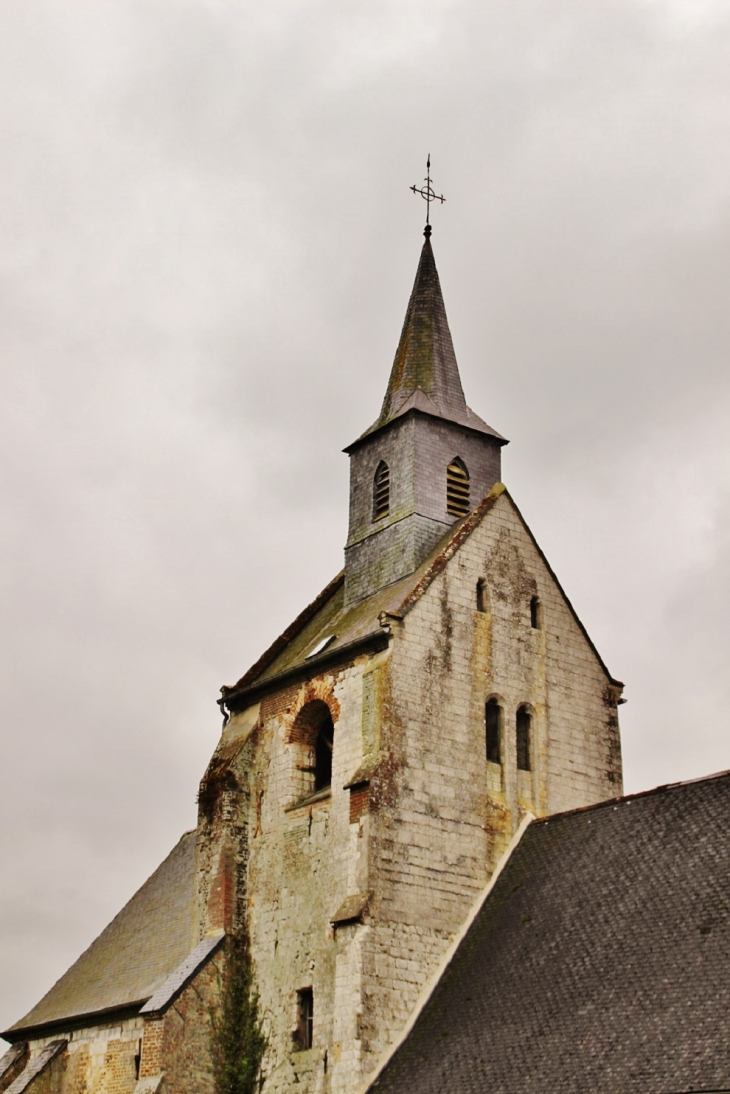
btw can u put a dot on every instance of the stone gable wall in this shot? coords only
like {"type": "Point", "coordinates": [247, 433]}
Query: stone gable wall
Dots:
{"type": "Point", "coordinates": [448, 814]}
{"type": "Point", "coordinates": [427, 817]}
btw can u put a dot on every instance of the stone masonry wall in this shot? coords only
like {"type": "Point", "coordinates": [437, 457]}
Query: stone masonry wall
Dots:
{"type": "Point", "coordinates": [414, 839]}
{"type": "Point", "coordinates": [100, 1059]}
{"type": "Point", "coordinates": [305, 857]}
{"type": "Point", "coordinates": [441, 815]}
{"type": "Point", "coordinates": [186, 1031]}
{"type": "Point", "coordinates": [111, 1058]}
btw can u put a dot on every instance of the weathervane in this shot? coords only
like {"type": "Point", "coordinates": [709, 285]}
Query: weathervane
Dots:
{"type": "Point", "coordinates": [428, 194]}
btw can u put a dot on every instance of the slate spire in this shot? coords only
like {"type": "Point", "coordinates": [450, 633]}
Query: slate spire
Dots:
{"type": "Point", "coordinates": [426, 461]}
{"type": "Point", "coordinates": [425, 358]}
{"type": "Point", "coordinates": [425, 375]}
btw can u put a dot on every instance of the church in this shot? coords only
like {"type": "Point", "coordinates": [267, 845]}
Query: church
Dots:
{"type": "Point", "coordinates": [414, 816]}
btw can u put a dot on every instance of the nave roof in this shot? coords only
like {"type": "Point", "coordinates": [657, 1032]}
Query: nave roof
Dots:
{"type": "Point", "coordinates": [599, 960]}
{"type": "Point", "coordinates": [132, 957]}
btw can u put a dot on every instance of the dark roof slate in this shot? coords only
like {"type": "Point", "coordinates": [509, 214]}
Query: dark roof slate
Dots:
{"type": "Point", "coordinates": [135, 954]}
{"type": "Point", "coordinates": [600, 960]}
{"type": "Point", "coordinates": [425, 375]}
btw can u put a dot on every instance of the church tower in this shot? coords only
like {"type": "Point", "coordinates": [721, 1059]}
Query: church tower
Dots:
{"type": "Point", "coordinates": [374, 765]}
{"type": "Point", "coordinates": [427, 460]}
{"type": "Point", "coordinates": [379, 757]}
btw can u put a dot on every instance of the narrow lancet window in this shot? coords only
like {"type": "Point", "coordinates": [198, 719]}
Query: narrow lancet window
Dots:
{"type": "Point", "coordinates": [323, 755]}
{"type": "Point", "coordinates": [493, 719]}
{"type": "Point", "coordinates": [482, 599]}
{"type": "Point", "coordinates": [457, 488]}
{"type": "Point", "coordinates": [535, 613]}
{"type": "Point", "coordinates": [381, 491]}
{"type": "Point", "coordinates": [305, 1018]}
{"type": "Point", "coordinates": [524, 724]}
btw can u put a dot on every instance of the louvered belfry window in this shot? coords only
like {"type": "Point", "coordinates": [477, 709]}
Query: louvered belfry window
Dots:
{"type": "Point", "coordinates": [457, 488]}
{"type": "Point", "coordinates": [381, 491]}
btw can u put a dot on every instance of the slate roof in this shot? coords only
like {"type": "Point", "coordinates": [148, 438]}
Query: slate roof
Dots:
{"type": "Point", "coordinates": [326, 614]}
{"type": "Point", "coordinates": [425, 375]}
{"type": "Point", "coordinates": [135, 954]}
{"type": "Point", "coordinates": [600, 960]}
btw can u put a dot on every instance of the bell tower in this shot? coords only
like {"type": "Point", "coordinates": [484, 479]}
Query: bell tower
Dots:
{"type": "Point", "coordinates": [427, 461]}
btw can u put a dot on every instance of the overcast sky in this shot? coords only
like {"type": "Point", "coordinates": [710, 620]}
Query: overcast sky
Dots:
{"type": "Point", "coordinates": [207, 242]}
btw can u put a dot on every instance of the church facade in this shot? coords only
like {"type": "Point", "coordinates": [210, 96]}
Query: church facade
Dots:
{"type": "Point", "coordinates": [376, 765]}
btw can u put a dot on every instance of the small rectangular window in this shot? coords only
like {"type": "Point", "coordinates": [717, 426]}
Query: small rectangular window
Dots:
{"type": "Point", "coordinates": [481, 595]}
{"type": "Point", "coordinates": [305, 1018]}
{"type": "Point", "coordinates": [535, 613]}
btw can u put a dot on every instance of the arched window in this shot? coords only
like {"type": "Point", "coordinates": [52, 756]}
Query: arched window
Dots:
{"type": "Point", "coordinates": [524, 725]}
{"type": "Point", "coordinates": [457, 488]}
{"type": "Point", "coordinates": [493, 723]}
{"type": "Point", "coordinates": [535, 613]}
{"type": "Point", "coordinates": [313, 730]}
{"type": "Point", "coordinates": [381, 491]}
{"type": "Point", "coordinates": [482, 596]}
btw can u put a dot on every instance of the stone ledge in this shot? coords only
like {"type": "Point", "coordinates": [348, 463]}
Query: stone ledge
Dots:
{"type": "Point", "coordinates": [310, 799]}
{"type": "Point", "coordinates": [351, 910]}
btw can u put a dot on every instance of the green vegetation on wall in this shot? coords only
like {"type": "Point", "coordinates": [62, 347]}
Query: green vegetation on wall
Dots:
{"type": "Point", "coordinates": [238, 1041]}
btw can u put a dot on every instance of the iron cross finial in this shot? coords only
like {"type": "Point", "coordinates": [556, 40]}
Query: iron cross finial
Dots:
{"type": "Point", "coordinates": [428, 194]}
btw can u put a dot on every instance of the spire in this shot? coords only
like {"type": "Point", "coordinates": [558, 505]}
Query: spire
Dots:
{"type": "Point", "coordinates": [425, 375]}
{"type": "Point", "coordinates": [425, 360]}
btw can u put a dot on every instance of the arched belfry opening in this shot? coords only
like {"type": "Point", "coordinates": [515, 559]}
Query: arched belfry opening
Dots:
{"type": "Point", "coordinates": [381, 491]}
{"type": "Point", "coordinates": [457, 488]}
{"type": "Point", "coordinates": [314, 731]}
